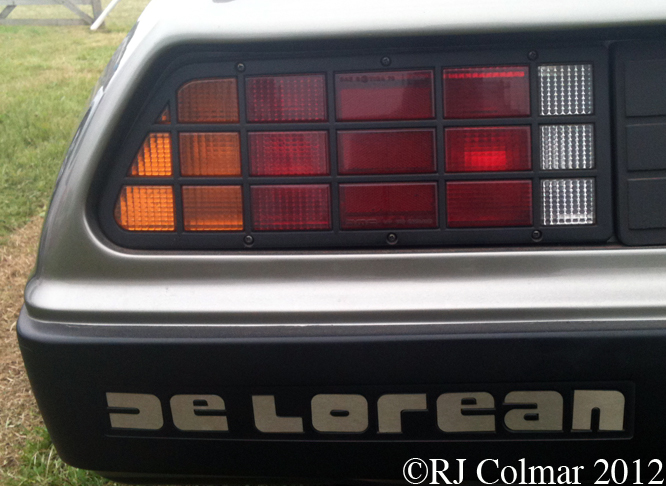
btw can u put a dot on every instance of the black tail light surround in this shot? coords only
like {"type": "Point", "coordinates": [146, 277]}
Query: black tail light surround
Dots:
{"type": "Point", "coordinates": [405, 205]}
{"type": "Point", "coordinates": [640, 130]}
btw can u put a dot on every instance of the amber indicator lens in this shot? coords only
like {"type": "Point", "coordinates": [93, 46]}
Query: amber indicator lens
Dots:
{"type": "Point", "coordinates": [291, 207]}
{"type": "Point", "coordinates": [292, 98]}
{"type": "Point", "coordinates": [213, 208]}
{"type": "Point", "coordinates": [384, 95]}
{"type": "Point", "coordinates": [208, 101]}
{"type": "Point", "coordinates": [386, 152]}
{"type": "Point", "coordinates": [488, 149]}
{"type": "Point", "coordinates": [486, 92]}
{"type": "Point", "coordinates": [165, 117]}
{"type": "Point", "coordinates": [289, 153]}
{"type": "Point", "coordinates": [210, 154]}
{"type": "Point", "coordinates": [154, 157]}
{"type": "Point", "coordinates": [489, 204]}
{"type": "Point", "coordinates": [388, 206]}
{"type": "Point", "coordinates": [145, 208]}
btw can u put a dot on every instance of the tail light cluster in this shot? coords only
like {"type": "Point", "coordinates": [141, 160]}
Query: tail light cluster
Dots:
{"type": "Point", "coordinates": [444, 154]}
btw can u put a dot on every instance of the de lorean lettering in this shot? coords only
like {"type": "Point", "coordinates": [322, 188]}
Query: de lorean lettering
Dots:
{"type": "Point", "coordinates": [337, 413]}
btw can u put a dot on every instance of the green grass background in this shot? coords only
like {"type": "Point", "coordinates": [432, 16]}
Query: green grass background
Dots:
{"type": "Point", "coordinates": [46, 77]}
{"type": "Point", "coordinates": [41, 466]}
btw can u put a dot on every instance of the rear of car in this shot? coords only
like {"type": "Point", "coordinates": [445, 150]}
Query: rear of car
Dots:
{"type": "Point", "coordinates": [318, 241]}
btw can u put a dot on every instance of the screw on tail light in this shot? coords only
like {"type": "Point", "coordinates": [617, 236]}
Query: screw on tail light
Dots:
{"type": "Point", "coordinates": [213, 208]}
{"type": "Point", "coordinates": [568, 202]}
{"type": "Point", "coordinates": [489, 204]}
{"type": "Point", "coordinates": [565, 89]}
{"type": "Point", "coordinates": [210, 154]}
{"type": "Point", "coordinates": [386, 152]}
{"type": "Point", "coordinates": [208, 101]}
{"type": "Point", "coordinates": [488, 149]}
{"type": "Point", "coordinates": [486, 92]}
{"type": "Point", "coordinates": [289, 98]}
{"type": "Point", "coordinates": [289, 153]}
{"type": "Point", "coordinates": [291, 207]}
{"type": "Point", "coordinates": [385, 95]}
{"type": "Point", "coordinates": [567, 147]}
{"type": "Point", "coordinates": [388, 206]}
{"type": "Point", "coordinates": [145, 208]}
{"type": "Point", "coordinates": [154, 158]}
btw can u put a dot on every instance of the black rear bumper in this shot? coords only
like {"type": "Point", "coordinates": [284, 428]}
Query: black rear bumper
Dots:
{"type": "Point", "coordinates": [72, 369]}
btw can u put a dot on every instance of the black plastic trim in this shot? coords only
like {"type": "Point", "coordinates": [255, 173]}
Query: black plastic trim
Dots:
{"type": "Point", "coordinates": [72, 370]}
{"type": "Point", "coordinates": [640, 113]}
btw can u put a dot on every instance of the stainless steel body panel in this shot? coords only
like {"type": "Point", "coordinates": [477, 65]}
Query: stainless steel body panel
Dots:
{"type": "Point", "coordinates": [81, 278]}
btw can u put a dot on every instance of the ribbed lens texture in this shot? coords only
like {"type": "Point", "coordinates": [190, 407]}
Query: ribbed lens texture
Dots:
{"type": "Point", "coordinates": [288, 153]}
{"type": "Point", "coordinates": [384, 206]}
{"type": "Point", "coordinates": [154, 157]}
{"type": "Point", "coordinates": [566, 89]}
{"type": "Point", "coordinates": [208, 101]}
{"type": "Point", "coordinates": [146, 208]}
{"type": "Point", "coordinates": [210, 154]}
{"type": "Point", "coordinates": [478, 204]}
{"type": "Point", "coordinates": [381, 95]}
{"type": "Point", "coordinates": [286, 98]}
{"type": "Point", "coordinates": [568, 201]}
{"type": "Point", "coordinates": [213, 208]}
{"type": "Point", "coordinates": [488, 149]}
{"type": "Point", "coordinates": [567, 147]}
{"type": "Point", "coordinates": [486, 92]}
{"type": "Point", "coordinates": [293, 207]}
{"type": "Point", "coordinates": [386, 152]}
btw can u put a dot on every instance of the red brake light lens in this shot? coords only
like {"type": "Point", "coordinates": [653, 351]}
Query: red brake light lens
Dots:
{"type": "Point", "coordinates": [489, 204]}
{"type": "Point", "coordinates": [291, 207]}
{"type": "Point", "coordinates": [388, 206]}
{"type": "Point", "coordinates": [386, 152]}
{"type": "Point", "coordinates": [288, 153]}
{"type": "Point", "coordinates": [397, 95]}
{"type": "Point", "coordinates": [486, 92]}
{"type": "Point", "coordinates": [292, 98]}
{"type": "Point", "coordinates": [488, 149]}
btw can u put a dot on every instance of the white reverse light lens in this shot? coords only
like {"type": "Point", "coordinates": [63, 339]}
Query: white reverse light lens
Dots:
{"type": "Point", "coordinates": [568, 201]}
{"type": "Point", "coordinates": [565, 89]}
{"type": "Point", "coordinates": [567, 147]}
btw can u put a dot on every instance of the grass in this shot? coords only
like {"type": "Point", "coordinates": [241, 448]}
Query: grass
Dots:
{"type": "Point", "coordinates": [43, 467]}
{"type": "Point", "coordinates": [46, 76]}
